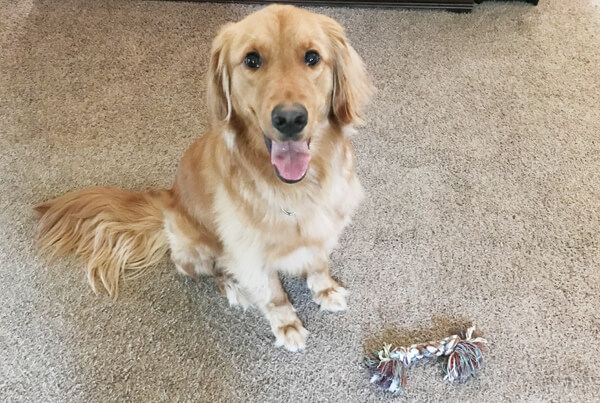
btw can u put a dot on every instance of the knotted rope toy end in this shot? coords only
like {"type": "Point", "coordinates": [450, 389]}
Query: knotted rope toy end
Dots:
{"type": "Point", "coordinates": [388, 366]}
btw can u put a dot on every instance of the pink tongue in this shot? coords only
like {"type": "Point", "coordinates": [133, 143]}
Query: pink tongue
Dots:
{"type": "Point", "coordinates": [291, 158]}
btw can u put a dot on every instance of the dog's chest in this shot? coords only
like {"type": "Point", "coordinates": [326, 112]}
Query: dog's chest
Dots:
{"type": "Point", "coordinates": [285, 234]}
{"type": "Point", "coordinates": [311, 229]}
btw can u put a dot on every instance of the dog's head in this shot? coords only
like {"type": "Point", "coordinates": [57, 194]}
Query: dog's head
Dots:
{"type": "Point", "coordinates": [285, 73]}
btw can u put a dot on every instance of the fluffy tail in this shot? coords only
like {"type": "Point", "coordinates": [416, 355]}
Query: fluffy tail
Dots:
{"type": "Point", "coordinates": [116, 232]}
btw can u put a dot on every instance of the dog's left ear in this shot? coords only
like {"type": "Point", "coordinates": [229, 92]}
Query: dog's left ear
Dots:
{"type": "Point", "coordinates": [219, 94]}
{"type": "Point", "coordinates": [352, 87]}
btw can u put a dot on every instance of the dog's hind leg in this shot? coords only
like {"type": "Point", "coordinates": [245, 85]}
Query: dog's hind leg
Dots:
{"type": "Point", "coordinates": [192, 250]}
{"type": "Point", "coordinates": [230, 288]}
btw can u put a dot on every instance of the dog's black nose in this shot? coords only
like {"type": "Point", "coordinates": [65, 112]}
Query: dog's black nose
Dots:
{"type": "Point", "coordinates": [289, 120]}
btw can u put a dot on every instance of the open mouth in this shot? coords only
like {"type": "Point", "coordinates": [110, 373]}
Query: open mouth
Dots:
{"type": "Point", "coordinates": [290, 158]}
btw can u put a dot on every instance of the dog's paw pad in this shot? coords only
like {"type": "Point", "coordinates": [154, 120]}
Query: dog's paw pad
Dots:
{"type": "Point", "coordinates": [291, 336]}
{"type": "Point", "coordinates": [332, 299]}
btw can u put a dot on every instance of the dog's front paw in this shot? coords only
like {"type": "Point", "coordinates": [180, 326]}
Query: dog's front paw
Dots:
{"type": "Point", "coordinates": [332, 299]}
{"type": "Point", "coordinates": [291, 336]}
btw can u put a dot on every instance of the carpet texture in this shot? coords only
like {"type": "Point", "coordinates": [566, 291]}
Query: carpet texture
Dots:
{"type": "Point", "coordinates": [481, 165]}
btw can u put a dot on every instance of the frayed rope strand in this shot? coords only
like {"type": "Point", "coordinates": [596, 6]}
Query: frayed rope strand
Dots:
{"type": "Point", "coordinates": [388, 366]}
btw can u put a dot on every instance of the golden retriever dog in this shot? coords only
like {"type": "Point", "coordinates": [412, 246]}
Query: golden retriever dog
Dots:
{"type": "Point", "coordinates": [267, 189]}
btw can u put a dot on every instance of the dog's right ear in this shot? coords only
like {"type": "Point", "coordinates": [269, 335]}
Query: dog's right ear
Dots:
{"type": "Point", "coordinates": [219, 95]}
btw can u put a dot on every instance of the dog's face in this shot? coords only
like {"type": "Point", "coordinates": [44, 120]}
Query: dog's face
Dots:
{"type": "Point", "coordinates": [285, 73]}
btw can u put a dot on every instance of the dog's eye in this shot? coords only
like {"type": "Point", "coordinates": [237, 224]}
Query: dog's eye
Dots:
{"type": "Point", "coordinates": [252, 60]}
{"type": "Point", "coordinates": [311, 58]}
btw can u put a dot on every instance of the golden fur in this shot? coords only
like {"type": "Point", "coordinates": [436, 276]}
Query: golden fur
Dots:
{"type": "Point", "coordinates": [228, 214]}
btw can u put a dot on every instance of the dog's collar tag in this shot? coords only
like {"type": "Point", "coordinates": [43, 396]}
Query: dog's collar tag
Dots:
{"type": "Point", "coordinates": [286, 212]}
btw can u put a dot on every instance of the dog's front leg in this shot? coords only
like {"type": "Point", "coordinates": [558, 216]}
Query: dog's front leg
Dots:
{"type": "Point", "coordinates": [325, 290]}
{"type": "Point", "coordinates": [262, 288]}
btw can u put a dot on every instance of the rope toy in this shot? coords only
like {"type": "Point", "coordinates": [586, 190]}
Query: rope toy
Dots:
{"type": "Point", "coordinates": [388, 366]}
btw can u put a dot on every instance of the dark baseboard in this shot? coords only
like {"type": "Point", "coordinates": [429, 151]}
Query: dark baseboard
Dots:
{"type": "Point", "coordinates": [452, 5]}
{"type": "Point", "coordinates": [457, 5]}
{"type": "Point", "coordinates": [534, 2]}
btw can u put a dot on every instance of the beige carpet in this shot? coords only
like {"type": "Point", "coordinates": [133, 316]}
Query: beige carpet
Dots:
{"type": "Point", "coordinates": [481, 162]}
